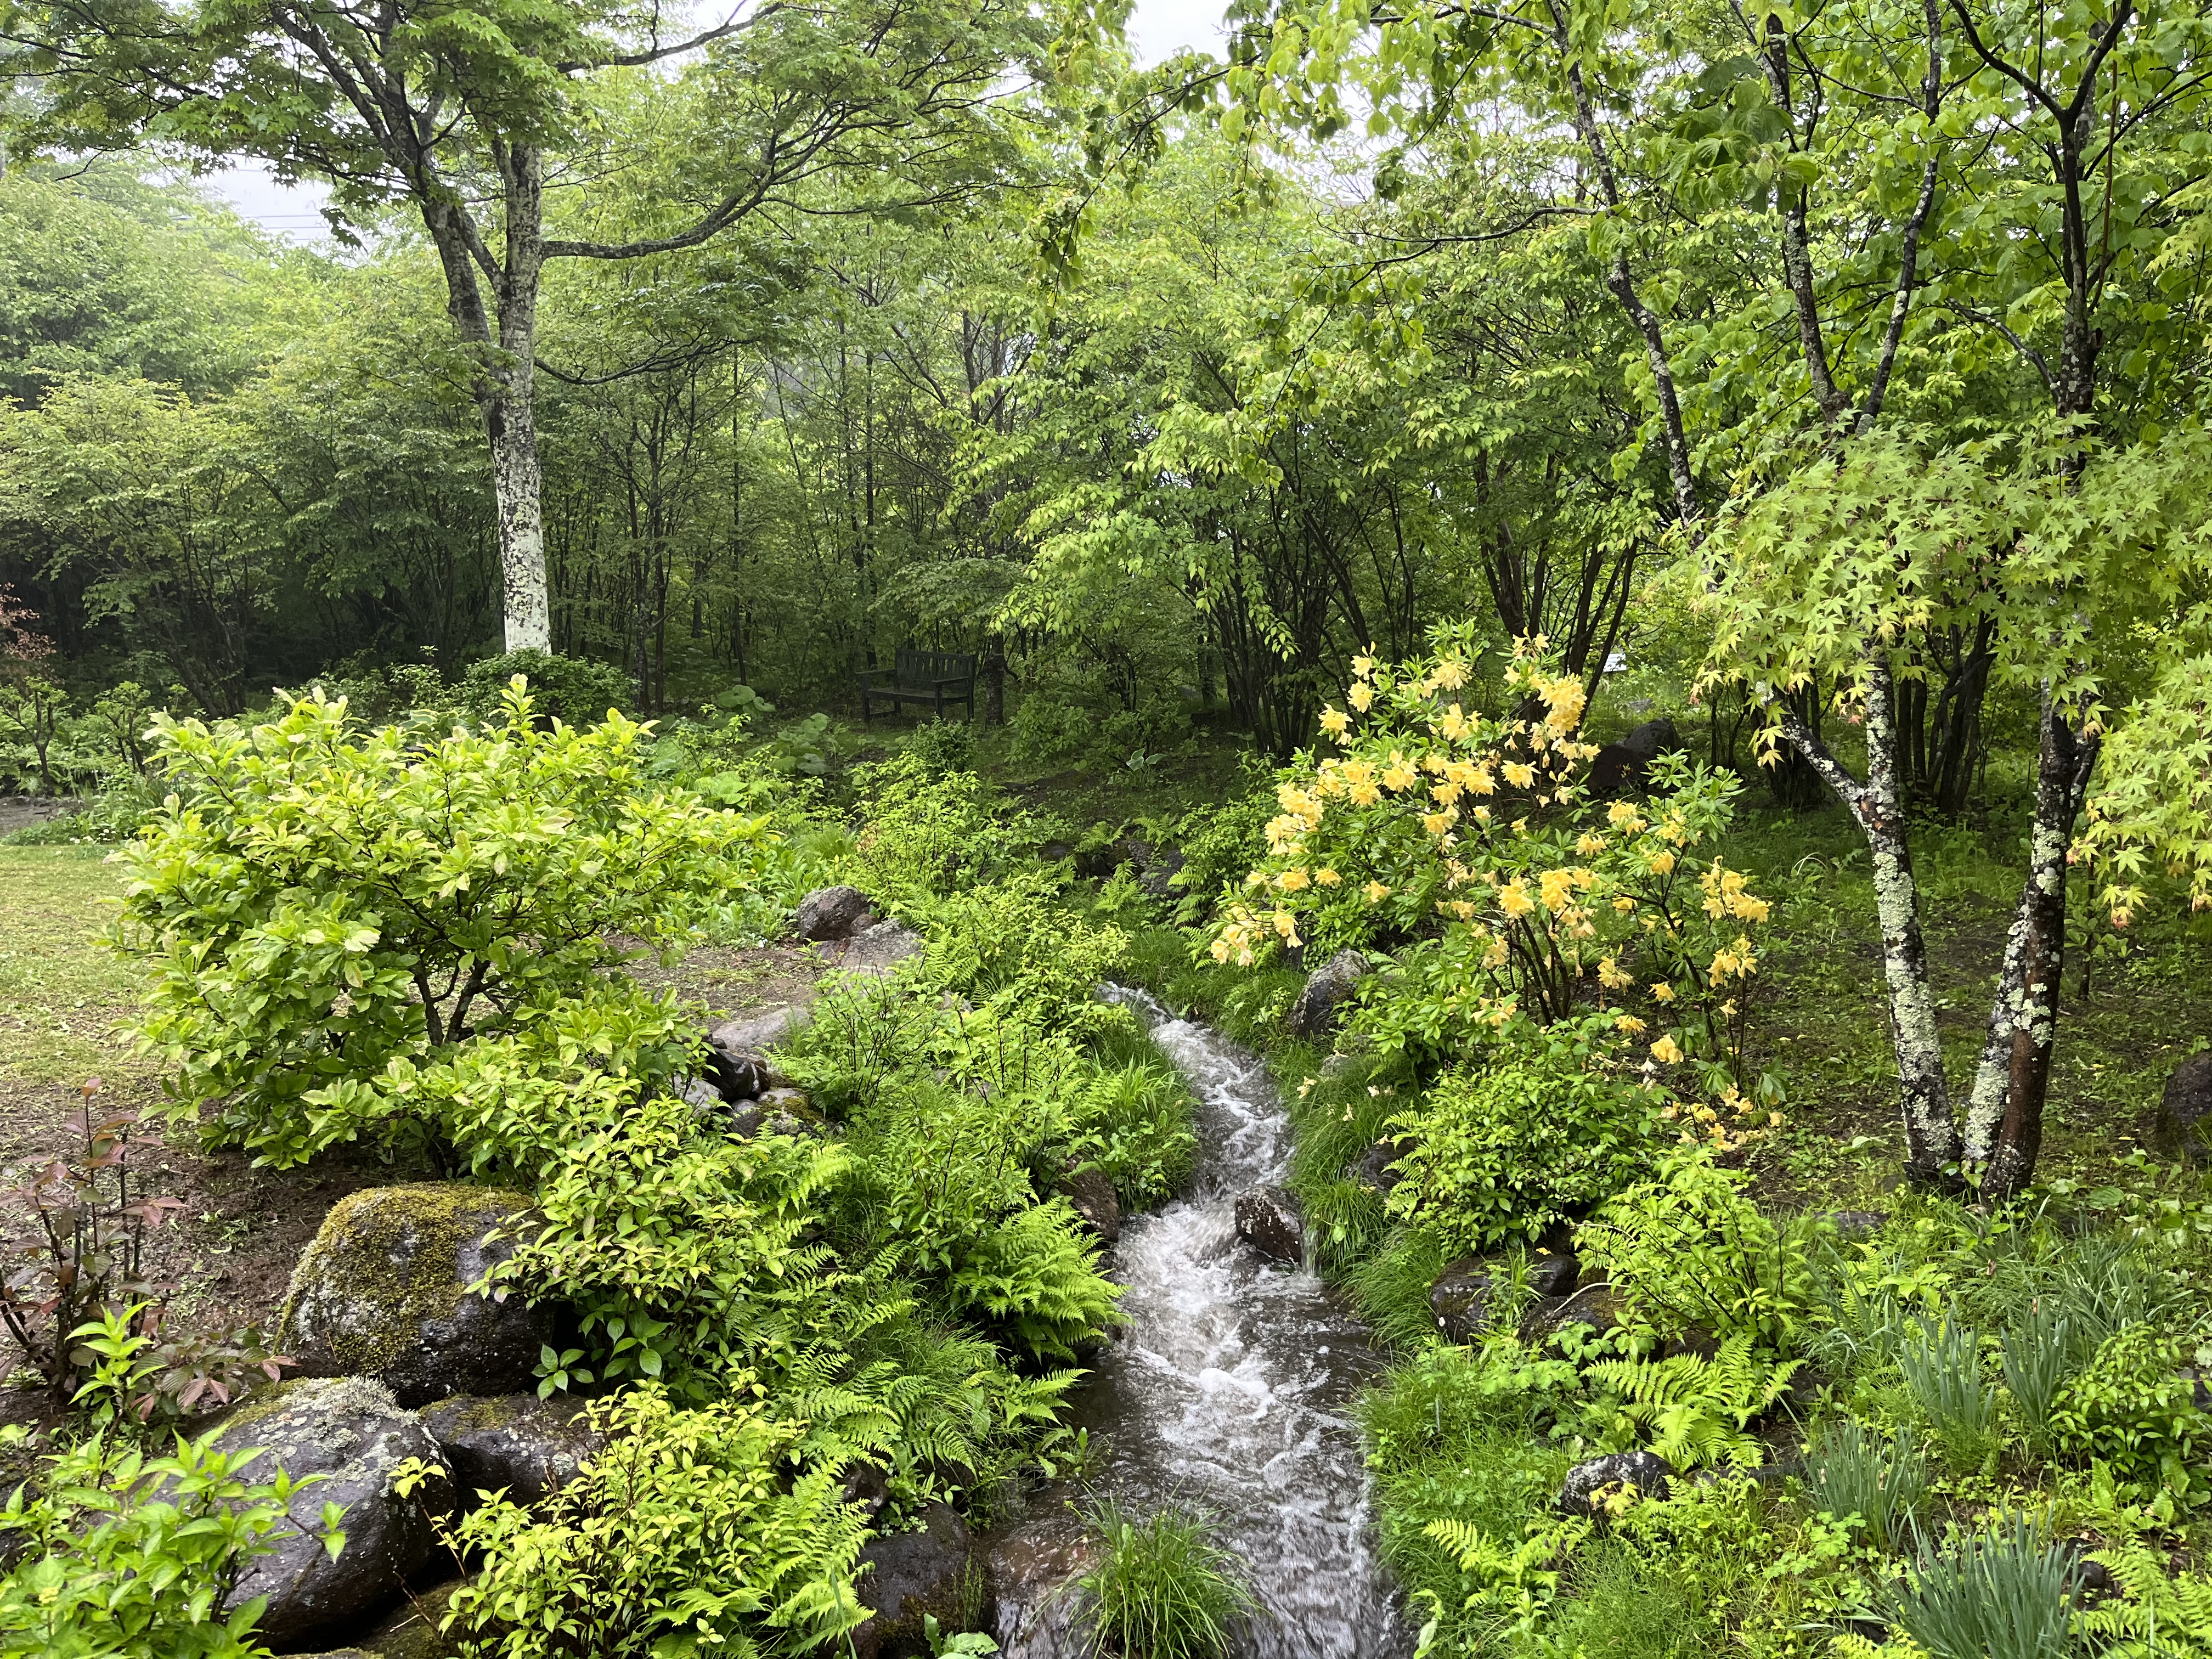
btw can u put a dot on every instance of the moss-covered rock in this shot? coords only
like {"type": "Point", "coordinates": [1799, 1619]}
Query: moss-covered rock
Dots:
{"type": "Point", "coordinates": [351, 1432]}
{"type": "Point", "coordinates": [934, 1573]}
{"type": "Point", "coordinates": [517, 1443]}
{"type": "Point", "coordinates": [383, 1291]}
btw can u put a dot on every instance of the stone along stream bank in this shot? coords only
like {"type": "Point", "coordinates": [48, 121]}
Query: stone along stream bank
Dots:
{"type": "Point", "coordinates": [1228, 1390]}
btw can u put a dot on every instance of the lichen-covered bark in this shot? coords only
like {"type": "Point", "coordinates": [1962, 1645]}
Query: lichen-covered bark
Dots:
{"type": "Point", "coordinates": [1931, 1133]}
{"type": "Point", "coordinates": [2004, 1116]}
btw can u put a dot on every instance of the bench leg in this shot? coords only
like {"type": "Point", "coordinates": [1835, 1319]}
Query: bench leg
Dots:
{"type": "Point", "coordinates": [940, 703]}
{"type": "Point", "coordinates": [864, 708]}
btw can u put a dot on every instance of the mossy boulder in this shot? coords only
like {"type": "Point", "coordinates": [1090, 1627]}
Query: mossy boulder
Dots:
{"type": "Point", "coordinates": [517, 1443]}
{"type": "Point", "coordinates": [384, 1291]}
{"type": "Point", "coordinates": [936, 1573]}
{"type": "Point", "coordinates": [411, 1630]}
{"type": "Point", "coordinates": [350, 1430]}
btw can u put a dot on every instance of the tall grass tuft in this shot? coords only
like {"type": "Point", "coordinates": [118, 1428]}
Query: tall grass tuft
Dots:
{"type": "Point", "coordinates": [1163, 1590]}
{"type": "Point", "coordinates": [1997, 1592]}
{"type": "Point", "coordinates": [2040, 1352]}
{"type": "Point", "coordinates": [1851, 1470]}
{"type": "Point", "coordinates": [1942, 1367]}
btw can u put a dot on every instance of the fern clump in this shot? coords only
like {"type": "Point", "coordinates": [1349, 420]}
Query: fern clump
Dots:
{"type": "Point", "coordinates": [1695, 1413]}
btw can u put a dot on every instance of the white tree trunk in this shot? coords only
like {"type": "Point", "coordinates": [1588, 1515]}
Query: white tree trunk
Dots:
{"type": "Point", "coordinates": [510, 421]}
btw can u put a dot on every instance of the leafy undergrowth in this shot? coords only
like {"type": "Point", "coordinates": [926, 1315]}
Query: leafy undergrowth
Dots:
{"type": "Point", "coordinates": [1910, 1432]}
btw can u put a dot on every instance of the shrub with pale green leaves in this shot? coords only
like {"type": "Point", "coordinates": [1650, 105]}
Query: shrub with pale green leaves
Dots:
{"type": "Point", "coordinates": [1505, 1152]}
{"type": "Point", "coordinates": [319, 904]}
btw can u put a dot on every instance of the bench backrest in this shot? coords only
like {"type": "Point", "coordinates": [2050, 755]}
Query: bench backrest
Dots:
{"type": "Point", "coordinates": [919, 667]}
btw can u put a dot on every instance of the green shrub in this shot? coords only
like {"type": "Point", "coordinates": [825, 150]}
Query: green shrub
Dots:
{"type": "Point", "coordinates": [924, 835]}
{"type": "Point", "coordinates": [136, 1557]}
{"type": "Point", "coordinates": [2131, 1408]}
{"type": "Point", "coordinates": [1133, 1122]}
{"type": "Point", "coordinates": [1508, 1152]}
{"type": "Point", "coordinates": [693, 1531]}
{"type": "Point", "coordinates": [1164, 1589]}
{"type": "Point", "coordinates": [317, 904]}
{"type": "Point", "coordinates": [1692, 1251]}
{"type": "Point", "coordinates": [576, 690]}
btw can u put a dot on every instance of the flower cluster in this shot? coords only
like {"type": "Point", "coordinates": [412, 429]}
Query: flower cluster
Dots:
{"type": "Point", "coordinates": [1425, 820]}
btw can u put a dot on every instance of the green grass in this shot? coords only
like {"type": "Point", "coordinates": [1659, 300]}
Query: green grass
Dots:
{"type": "Point", "coordinates": [1164, 1588]}
{"type": "Point", "coordinates": [61, 993]}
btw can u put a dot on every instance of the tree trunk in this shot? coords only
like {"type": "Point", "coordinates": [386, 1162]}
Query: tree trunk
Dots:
{"type": "Point", "coordinates": [2004, 1116]}
{"type": "Point", "coordinates": [1931, 1133]}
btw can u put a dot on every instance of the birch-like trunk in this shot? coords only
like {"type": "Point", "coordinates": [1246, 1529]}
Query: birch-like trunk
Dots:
{"type": "Point", "coordinates": [1931, 1132]}
{"type": "Point", "coordinates": [2004, 1114]}
{"type": "Point", "coordinates": [510, 412]}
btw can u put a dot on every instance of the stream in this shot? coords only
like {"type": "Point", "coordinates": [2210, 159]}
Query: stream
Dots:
{"type": "Point", "coordinates": [1228, 1390]}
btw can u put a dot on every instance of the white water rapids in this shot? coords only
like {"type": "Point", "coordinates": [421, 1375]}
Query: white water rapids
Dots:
{"type": "Point", "coordinates": [1228, 1390]}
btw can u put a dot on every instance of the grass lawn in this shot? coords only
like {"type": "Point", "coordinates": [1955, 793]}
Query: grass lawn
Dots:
{"type": "Point", "coordinates": [61, 993]}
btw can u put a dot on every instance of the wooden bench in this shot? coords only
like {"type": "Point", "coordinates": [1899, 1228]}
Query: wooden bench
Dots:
{"type": "Point", "coordinates": [938, 677]}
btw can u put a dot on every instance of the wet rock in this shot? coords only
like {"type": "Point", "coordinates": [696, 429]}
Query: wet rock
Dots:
{"type": "Point", "coordinates": [1159, 872]}
{"type": "Point", "coordinates": [2090, 1580]}
{"type": "Point", "coordinates": [383, 1290]}
{"type": "Point", "coordinates": [1643, 1471]}
{"type": "Point", "coordinates": [1460, 1299]}
{"type": "Point", "coordinates": [351, 1430]}
{"type": "Point", "coordinates": [933, 1572]}
{"type": "Point", "coordinates": [410, 1630]}
{"type": "Point", "coordinates": [762, 1117]}
{"type": "Point", "coordinates": [737, 1051]}
{"type": "Point", "coordinates": [1031, 1571]}
{"type": "Point", "coordinates": [880, 949]}
{"type": "Point", "coordinates": [2184, 1129]}
{"type": "Point", "coordinates": [868, 1486]}
{"type": "Point", "coordinates": [1374, 1170]}
{"type": "Point", "coordinates": [2200, 1392]}
{"type": "Point", "coordinates": [1596, 1306]}
{"type": "Point", "coordinates": [1856, 1224]}
{"type": "Point", "coordinates": [1623, 766]}
{"type": "Point", "coordinates": [1091, 1193]}
{"type": "Point", "coordinates": [698, 1094]}
{"type": "Point", "coordinates": [831, 913]}
{"type": "Point", "coordinates": [516, 1443]}
{"type": "Point", "coordinates": [1267, 1219]}
{"type": "Point", "coordinates": [1553, 1274]}
{"type": "Point", "coordinates": [1319, 1004]}
{"type": "Point", "coordinates": [1055, 852]}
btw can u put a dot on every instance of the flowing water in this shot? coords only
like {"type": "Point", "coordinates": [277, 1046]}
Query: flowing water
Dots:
{"type": "Point", "coordinates": [1229, 1389]}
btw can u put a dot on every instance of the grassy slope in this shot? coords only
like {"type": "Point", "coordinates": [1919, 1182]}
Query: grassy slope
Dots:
{"type": "Point", "coordinates": [60, 995]}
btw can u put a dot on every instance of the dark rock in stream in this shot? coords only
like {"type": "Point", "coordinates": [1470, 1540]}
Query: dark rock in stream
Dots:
{"type": "Point", "coordinates": [1267, 1219]}
{"type": "Point", "coordinates": [1646, 1473]}
{"type": "Point", "coordinates": [1031, 1569]}
{"type": "Point", "coordinates": [1856, 1224]}
{"type": "Point", "coordinates": [933, 1572]}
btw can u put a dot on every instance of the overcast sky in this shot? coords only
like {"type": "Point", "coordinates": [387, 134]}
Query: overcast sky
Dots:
{"type": "Point", "coordinates": [1157, 27]}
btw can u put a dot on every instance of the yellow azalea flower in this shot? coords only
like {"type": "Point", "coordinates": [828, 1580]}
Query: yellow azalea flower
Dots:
{"type": "Point", "coordinates": [1365, 794]}
{"type": "Point", "coordinates": [1557, 887]}
{"type": "Point", "coordinates": [1666, 1051]}
{"type": "Point", "coordinates": [1377, 892]}
{"type": "Point", "coordinates": [1661, 991]}
{"type": "Point", "coordinates": [1326, 879]}
{"type": "Point", "coordinates": [1610, 975]}
{"type": "Point", "coordinates": [1445, 792]}
{"type": "Point", "coordinates": [1514, 899]}
{"type": "Point", "coordinates": [1660, 863]}
{"type": "Point", "coordinates": [1482, 815]}
{"type": "Point", "coordinates": [1625, 904]}
{"type": "Point", "coordinates": [1334, 721]}
{"type": "Point", "coordinates": [1588, 845]}
{"type": "Point", "coordinates": [1287, 926]}
{"type": "Point", "coordinates": [1435, 764]}
{"type": "Point", "coordinates": [1361, 696]}
{"type": "Point", "coordinates": [1221, 950]}
{"type": "Point", "coordinates": [1437, 823]}
{"type": "Point", "coordinates": [1292, 881]}
{"type": "Point", "coordinates": [1519, 775]}
{"type": "Point", "coordinates": [1496, 955]}
{"type": "Point", "coordinates": [1482, 782]}
{"type": "Point", "coordinates": [1398, 774]}
{"type": "Point", "coordinates": [1363, 665]}
{"type": "Point", "coordinates": [1623, 816]}
{"type": "Point", "coordinates": [1456, 725]}
{"type": "Point", "coordinates": [1629, 1024]}
{"type": "Point", "coordinates": [1450, 675]}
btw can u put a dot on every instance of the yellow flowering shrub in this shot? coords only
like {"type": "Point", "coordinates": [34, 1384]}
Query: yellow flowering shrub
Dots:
{"type": "Point", "coordinates": [1424, 821]}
